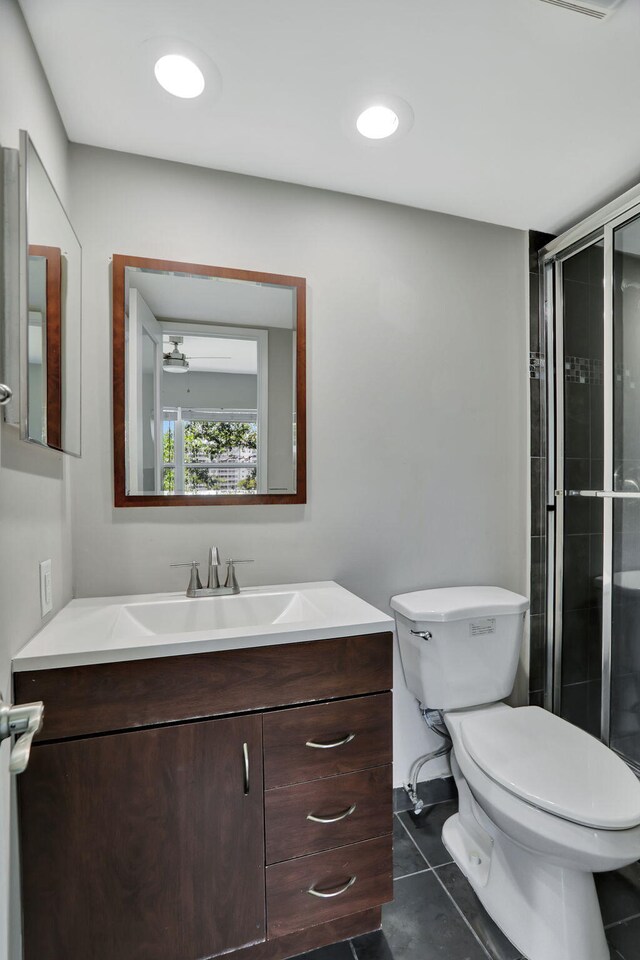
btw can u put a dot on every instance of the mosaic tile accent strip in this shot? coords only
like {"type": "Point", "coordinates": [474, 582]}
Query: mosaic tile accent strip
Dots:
{"type": "Point", "coordinates": [536, 366]}
{"type": "Point", "coordinates": [583, 370]}
{"type": "Point", "coordinates": [625, 376]}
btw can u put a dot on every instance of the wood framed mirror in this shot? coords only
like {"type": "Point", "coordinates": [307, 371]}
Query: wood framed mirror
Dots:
{"type": "Point", "coordinates": [42, 317]}
{"type": "Point", "coordinates": [209, 385]}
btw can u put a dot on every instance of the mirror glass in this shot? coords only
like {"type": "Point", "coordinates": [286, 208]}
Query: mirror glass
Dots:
{"type": "Point", "coordinates": [52, 320]}
{"type": "Point", "coordinates": [210, 385]}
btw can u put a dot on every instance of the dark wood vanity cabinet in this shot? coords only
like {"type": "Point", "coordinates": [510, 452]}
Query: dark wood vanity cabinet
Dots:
{"type": "Point", "coordinates": [129, 839]}
{"type": "Point", "coordinates": [260, 824]}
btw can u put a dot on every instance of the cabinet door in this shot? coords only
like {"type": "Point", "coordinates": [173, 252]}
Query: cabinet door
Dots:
{"type": "Point", "coordinates": [146, 845]}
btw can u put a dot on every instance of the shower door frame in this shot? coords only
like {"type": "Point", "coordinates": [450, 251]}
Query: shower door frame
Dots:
{"type": "Point", "coordinates": [599, 227]}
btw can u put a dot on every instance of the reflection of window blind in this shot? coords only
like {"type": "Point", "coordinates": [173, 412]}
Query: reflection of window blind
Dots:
{"type": "Point", "coordinates": [217, 416]}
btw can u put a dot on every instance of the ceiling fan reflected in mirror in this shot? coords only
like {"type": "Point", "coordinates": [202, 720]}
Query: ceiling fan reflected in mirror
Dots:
{"type": "Point", "coordinates": [175, 361]}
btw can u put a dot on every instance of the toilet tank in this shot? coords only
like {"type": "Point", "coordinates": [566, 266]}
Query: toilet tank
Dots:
{"type": "Point", "coordinates": [469, 650]}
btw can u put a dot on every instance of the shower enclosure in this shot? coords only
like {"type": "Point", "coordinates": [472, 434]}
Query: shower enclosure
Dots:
{"type": "Point", "coordinates": [590, 281]}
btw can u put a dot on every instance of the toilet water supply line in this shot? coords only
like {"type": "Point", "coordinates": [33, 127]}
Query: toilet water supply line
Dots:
{"type": "Point", "coordinates": [435, 721]}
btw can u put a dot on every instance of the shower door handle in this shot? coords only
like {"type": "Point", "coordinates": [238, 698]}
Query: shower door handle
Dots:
{"type": "Point", "coordinates": [601, 494]}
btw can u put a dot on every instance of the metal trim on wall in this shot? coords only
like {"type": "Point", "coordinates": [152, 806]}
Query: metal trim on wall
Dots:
{"type": "Point", "coordinates": [607, 530]}
{"type": "Point", "coordinates": [555, 601]}
{"type": "Point", "coordinates": [547, 318]}
{"type": "Point", "coordinates": [616, 209]}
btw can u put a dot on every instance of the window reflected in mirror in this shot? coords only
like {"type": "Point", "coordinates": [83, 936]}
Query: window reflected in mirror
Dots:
{"type": "Point", "coordinates": [212, 380]}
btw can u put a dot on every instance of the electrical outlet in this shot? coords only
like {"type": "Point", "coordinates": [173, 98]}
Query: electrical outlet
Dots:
{"type": "Point", "coordinates": [46, 588]}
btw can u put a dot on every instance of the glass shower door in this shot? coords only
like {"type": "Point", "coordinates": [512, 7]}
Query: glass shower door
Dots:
{"type": "Point", "coordinates": [596, 616]}
{"type": "Point", "coordinates": [579, 523]}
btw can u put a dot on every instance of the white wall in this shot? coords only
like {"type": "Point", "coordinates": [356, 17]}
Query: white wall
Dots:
{"type": "Point", "coordinates": [34, 503]}
{"type": "Point", "coordinates": [417, 390]}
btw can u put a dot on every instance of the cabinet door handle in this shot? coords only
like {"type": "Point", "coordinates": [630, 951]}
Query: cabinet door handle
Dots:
{"type": "Point", "coordinates": [245, 764]}
{"type": "Point", "coordinates": [341, 816]}
{"type": "Point", "coordinates": [334, 743]}
{"type": "Point", "coordinates": [334, 893]}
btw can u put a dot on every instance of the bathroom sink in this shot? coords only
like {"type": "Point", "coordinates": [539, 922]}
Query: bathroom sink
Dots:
{"type": "Point", "coordinates": [109, 629]}
{"type": "Point", "coordinates": [215, 613]}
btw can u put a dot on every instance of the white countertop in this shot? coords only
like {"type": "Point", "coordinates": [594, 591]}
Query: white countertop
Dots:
{"type": "Point", "coordinates": [110, 629]}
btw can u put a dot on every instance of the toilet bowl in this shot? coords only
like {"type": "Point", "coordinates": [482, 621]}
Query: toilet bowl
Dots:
{"type": "Point", "coordinates": [532, 867]}
{"type": "Point", "coordinates": [543, 805]}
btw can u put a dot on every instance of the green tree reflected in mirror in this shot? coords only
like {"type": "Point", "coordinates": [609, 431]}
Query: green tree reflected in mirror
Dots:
{"type": "Point", "coordinates": [211, 454]}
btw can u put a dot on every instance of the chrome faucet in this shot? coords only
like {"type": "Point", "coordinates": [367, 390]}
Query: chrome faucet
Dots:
{"type": "Point", "coordinates": [213, 588]}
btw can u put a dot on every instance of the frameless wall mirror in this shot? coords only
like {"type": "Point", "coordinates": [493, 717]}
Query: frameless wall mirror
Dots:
{"type": "Point", "coordinates": [208, 385]}
{"type": "Point", "coordinates": [42, 335]}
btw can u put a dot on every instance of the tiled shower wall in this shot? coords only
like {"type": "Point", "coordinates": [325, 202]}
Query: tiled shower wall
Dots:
{"type": "Point", "coordinates": [537, 387]}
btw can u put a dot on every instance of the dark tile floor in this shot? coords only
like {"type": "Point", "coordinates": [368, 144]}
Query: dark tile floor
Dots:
{"type": "Point", "coordinates": [437, 916]}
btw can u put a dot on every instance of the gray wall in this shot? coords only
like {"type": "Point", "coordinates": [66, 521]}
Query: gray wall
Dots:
{"type": "Point", "coordinates": [34, 501]}
{"type": "Point", "coordinates": [416, 400]}
{"type": "Point", "coordinates": [201, 389]}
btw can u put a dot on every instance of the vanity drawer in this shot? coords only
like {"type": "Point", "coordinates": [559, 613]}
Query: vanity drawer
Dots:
{"type": "Point", "coordinates": [290, 904]}
{"type": "Point", "coordinates": [290, 833]}
{"type": "Point", "coordinates": [307, 743]}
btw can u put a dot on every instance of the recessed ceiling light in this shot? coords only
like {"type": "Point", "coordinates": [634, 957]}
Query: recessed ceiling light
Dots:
{"type": "Point", "coordinates": [179, 76]}
{"type": "Point", "coordinates": [377, 122]}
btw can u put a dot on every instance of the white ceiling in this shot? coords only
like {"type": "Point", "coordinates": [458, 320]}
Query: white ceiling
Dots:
{"type": "Point", "coordinates": [525, 114]}
{"type": "Point", "coordinates": [215, 300]}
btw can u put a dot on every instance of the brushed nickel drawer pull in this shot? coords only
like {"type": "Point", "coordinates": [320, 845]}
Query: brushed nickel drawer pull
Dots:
{"type": "Point", "coordinates": [336, 893]}
{"type": "Point", "coordinates": [330, 746]}
{"type": "Point", "coordinates": [341, 816]}
{"type": "Point", "coordinates": [245, 762]}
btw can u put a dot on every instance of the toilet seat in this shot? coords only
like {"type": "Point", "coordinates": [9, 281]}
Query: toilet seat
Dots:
{"type": "Point", "coordinates": [554, 766]}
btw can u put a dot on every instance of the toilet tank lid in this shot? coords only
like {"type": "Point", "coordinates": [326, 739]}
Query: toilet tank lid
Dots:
{"type": "Point", "coordinates": [458, 603]}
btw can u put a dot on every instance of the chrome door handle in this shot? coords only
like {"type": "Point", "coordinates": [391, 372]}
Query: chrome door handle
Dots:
{"type": "Point", "coordinates": [422, 633]}
{"type": "Point", "coordinates": [24, 720]}
{"type": "Point", "coordinates": [245, 764]}
{"type": "Point", "coordinates": [341, 816]}
{"type": "Point", "coordinates": [6, 394]}
{"type": "Point", "coordinates": [335, 893]}
{"type": "Point", "coordinates": [330, 746]}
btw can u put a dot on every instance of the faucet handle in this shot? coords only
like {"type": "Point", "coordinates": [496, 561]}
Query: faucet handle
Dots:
{"type": "Point", "coordinates": [194, 580]}
{"type": "Point", "coordinates": [231, 580]}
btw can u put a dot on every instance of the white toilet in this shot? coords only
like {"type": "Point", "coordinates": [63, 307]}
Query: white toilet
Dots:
{"type": "Point", "coordinates": [543, 805]}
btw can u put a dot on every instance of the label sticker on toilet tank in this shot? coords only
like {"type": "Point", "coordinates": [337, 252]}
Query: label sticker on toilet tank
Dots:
{"type": "Point", "coordinates": [479, 628]}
